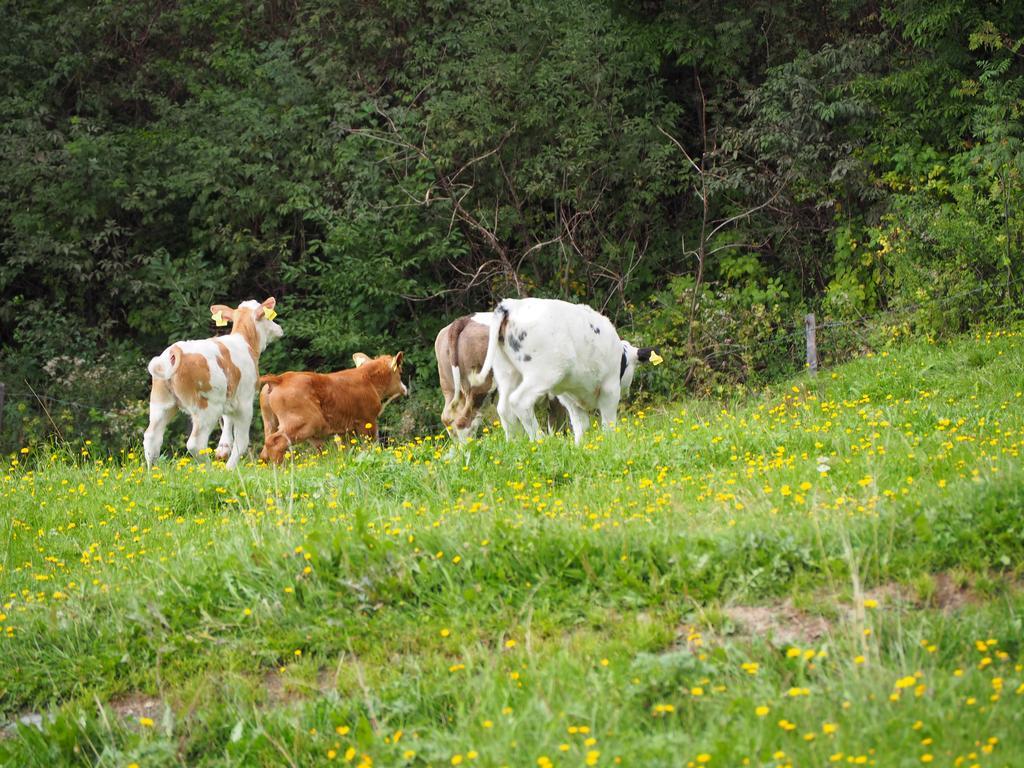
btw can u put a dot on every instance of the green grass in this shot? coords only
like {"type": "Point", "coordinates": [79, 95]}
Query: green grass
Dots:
{"type": "Point", "coordinates": [506, 604]}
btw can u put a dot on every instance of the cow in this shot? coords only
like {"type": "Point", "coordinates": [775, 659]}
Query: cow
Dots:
{"type": "Point", "coordinates": [460, 348]}
{"type": "Point", "coordinates": [301, 405]}
{"type": "Point", "coordinates": [212, 380]}
{"type": "Point", "coordinates": [539, 347]}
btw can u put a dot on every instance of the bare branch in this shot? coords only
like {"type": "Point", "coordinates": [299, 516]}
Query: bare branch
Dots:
{"type": "Point", "coordinates": [725, 247]}
{"type": "Point", "coordinates": [746, 213]}
{"type": "Point", "coordinates": [675, 141]}
{"type": "Point", "coordinates": [485, 155]}
{"type": "Point", "coordinates": [537, 247]}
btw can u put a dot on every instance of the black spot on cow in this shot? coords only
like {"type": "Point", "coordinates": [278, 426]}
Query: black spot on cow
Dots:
{"type": "Point", "coordinates": [515, 339]}
{"type": "Point", "coordinates": [527, 358]}
{"type": "Point", "coordinates": [594, 328]}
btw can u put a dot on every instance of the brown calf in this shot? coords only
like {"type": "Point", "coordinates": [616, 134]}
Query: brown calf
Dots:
{"type": "Point", "coordinates": [299, 406]}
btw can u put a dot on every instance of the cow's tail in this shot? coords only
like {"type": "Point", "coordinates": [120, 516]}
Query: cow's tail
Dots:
{"type": "Point", "coordinates": [164, 365]}
{"type": "Point", "coordinates": [453, 355]}
{"type": "Point", "coordinates": [496, 336]}
{"type": "Point", "coordinates": [271, 378]}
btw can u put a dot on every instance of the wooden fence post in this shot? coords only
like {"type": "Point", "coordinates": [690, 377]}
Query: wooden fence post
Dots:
{"type": "Point", "coordinates": [812, 343]}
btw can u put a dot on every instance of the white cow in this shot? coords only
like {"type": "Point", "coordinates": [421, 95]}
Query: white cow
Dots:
{"type": "Point", "coordinates": [539, 347]}
{"type": "Point", "coordinates": [460, 348]}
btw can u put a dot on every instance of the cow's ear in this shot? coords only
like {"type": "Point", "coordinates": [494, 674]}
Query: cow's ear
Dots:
{"type": "Point", "coordinates": [649, 354]}
{"type": "Point", "coordinates": [397, 362]}
{"type": "Point", "coordinates": [221, 314]}
{"type": "Point", "coordinates": [359, 358]}
{"type": "Point", "coordinates": [268, 308]}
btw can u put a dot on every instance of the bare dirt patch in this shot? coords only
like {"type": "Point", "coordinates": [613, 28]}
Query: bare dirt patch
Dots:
{"type": "Point", "coordinates": [129, 708]}
{"type": "Point", "coordinates": [781, 623]}
{"type": "Point", "coordinates": [283, 689]}
{"type": "Point", "coordinates": [35, 719]}
{"type": "Point", "coordinates": [950, 596]}
{"type": "Point", "coordinates": [947, 593]}
{"type": "Point", "coordinates": [137, 705]}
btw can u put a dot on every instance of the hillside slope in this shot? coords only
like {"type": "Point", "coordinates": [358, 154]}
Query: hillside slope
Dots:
{"type": "Point", "coordinates": [827, 572]}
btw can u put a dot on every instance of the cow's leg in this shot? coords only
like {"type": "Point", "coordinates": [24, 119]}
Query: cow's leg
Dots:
{"type": "Point", "coordinates": [557, 414]}
{"type": "Point", "coordinates": [287, 435]}
{"type": "Point", "coordinates": [162, 410]}
{"type": "Point", "coordinates": [467, 417]}
{"type": "Point", "coordinates": [447, 418]}
{"type": "Point", "coordinates": [226, 438]}
{"type": "Point", "coordinates": [239, 421]}
{"type": "Point", "coordinates": [270, 422]}
{"type": "Point", "coordinates": [523, 401]}
{"type": "Point", "coordinates": [579, 418]}
{"type": "Point", "coordinates": [506, 379]}
{"type": "Point", "coordinates": [203, 424]}
{"type": "Point", "coordinates": [507, 416]}
{"type": "Point", "coordinates": [608, 402]}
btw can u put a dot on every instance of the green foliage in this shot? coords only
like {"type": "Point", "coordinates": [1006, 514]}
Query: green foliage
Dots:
{"type": "Point", "coordinates": [741, 335]}
{"type": "Point", "coordinates": [381, 168]}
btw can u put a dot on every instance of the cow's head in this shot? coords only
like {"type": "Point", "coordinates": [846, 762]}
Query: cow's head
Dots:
{"type": "Point", "coordinates": [463, 419]}
{"type": "Point", "coordinates": [386, 373]}
{"type": "Point", "coordinates": [253, 319]}
{"type": "Point", "coordinates": [630, 357]}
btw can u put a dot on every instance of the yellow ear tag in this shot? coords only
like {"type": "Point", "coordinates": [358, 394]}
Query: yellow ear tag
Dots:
{"type": "Point", "coordinates": [218, 318]}
{"type": "Point", "coordinates": [656, 359]}
{"type": "Point", "coordinates": [269, 313]}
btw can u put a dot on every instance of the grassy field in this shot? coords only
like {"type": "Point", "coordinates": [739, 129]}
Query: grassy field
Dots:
{"type": "Point", "coordinates": [828, 573]}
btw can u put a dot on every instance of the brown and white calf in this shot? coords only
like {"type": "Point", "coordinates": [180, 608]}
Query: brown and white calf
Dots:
{"type": "Point", "coordinates": [460, 348]}
{"type": "Point", "coordinates": [301, 405]}
{"type": "Point", "coordinates": [212, 380]}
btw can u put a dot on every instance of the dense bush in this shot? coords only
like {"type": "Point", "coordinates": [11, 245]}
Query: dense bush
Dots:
{"type": "Point", "coordinates": [381, 168]}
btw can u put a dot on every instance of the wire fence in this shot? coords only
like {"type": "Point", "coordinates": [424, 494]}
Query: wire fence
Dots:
{"type": "Point", "coordinates": [719, 360]}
